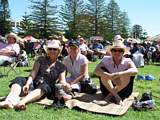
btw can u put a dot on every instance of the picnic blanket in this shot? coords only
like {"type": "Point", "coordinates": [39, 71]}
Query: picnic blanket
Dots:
{"type": "Point", "coordinates": [96, 104]}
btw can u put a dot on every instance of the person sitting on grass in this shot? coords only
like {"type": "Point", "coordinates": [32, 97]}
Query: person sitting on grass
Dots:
{"type": "Point", "coordinates": [47, 80]}
{"type": "Point", "coordinates": [77, 66]}
{"type": "Point", "coordinates": [116, 74]}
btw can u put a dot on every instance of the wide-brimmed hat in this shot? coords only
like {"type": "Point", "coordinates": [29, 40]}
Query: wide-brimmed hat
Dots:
{"type": "Point", "coordinates": [12, 35]}
{"type": "Point", "coordinates": [52, 44]}
{"type": "Point", "coordinates": [74, 43]}
{"type": "Point", "coordinates": [118, 44]}
{"type": "Point", "coordinates": [118, 37]}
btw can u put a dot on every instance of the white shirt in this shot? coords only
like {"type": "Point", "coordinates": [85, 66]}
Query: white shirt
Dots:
{"type": "Point", "coordinates": [74, 67]}
{"type": "Point", "coordinates": [83, 47]}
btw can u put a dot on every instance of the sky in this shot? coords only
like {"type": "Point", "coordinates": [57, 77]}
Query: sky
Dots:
{"type": "Point", "coordinates": [141, 12]}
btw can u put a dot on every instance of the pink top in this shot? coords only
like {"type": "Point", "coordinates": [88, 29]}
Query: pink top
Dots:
{"type": "Point", "coordinates": [112, 67]}
{"type": "Point", "coordinates": [15, 47]}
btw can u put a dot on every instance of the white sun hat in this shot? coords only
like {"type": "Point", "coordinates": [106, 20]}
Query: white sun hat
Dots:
{"type": "Point", "coordinates": [52, 44]}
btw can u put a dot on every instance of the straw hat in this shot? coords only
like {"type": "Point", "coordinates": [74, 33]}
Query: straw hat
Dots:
{"type": "Point", "coordinates": [52, 44]}
{"type": "Point", "coordinates": [12, 35]}
{"type": "Point", "coordinates": [118, 44]}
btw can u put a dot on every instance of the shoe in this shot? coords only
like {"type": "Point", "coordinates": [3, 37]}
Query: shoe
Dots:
{"type": "Point", "coordinates": [149, 104]}
{"type": "Point", "coordinates": [59, 103]}
{"type": "Point", "coordinates": [143, 105]}
{"type": "Point", "coordinates": [146, 96]}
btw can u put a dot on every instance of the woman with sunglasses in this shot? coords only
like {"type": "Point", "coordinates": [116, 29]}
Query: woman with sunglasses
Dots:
{"type": "Point", "coordinates": [47, 79]}
{"type": "Point", "coordinates": [116, 74]}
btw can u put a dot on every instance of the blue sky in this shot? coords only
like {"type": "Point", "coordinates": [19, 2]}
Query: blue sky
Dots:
{"type": "Point", "coordinates": [142, 12]}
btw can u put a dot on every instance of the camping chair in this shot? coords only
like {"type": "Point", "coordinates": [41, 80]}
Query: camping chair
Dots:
{"type": "Point", "coordinates": [11, 65]}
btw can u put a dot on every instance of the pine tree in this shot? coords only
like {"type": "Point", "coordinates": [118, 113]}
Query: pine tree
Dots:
{"type": "Point", "coordinates": [137, 31]}
{"type": "Point", "coordinates": [26, 25]}
{"type": "Point", "coordinates": [123, 25]}
{"type": "Point", "coordinates": [69, 14]}
{"type": "Point", "coordinates": [44, 18]}
{"type": "Point", "coordinates": [5, 24]}
{"type": "Point", "coordinates": [113, 17]}
{"type": "Point", "coordinates": [96, 9]}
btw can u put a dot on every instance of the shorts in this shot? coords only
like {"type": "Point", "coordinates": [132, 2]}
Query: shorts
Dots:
{"type": "Point", "coordinates": [44, 86]}
{"type": "Point", "coordinates": [124, 93]}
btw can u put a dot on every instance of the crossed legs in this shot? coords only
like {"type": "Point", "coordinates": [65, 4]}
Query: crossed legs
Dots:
{"type": "Point", "coordinates": [113, 88]}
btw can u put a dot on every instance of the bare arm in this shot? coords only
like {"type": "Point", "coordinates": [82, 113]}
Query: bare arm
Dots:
{"type": "Point", "coordinates": [35, 70]}
{"type": "Point", "coordinates": [31, 77]}
{"type": "Point", "coordinates": [7, 52]}
{"type": "Point", "coordinates": [62, 80]}
{"type": "Point", "coordinates": [101, 73]}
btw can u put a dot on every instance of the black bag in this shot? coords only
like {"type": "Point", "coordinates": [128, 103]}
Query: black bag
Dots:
{"type": "Point", "coordinates": [88, 87]}
{"type": "Point", "coordinates": [146, 96]}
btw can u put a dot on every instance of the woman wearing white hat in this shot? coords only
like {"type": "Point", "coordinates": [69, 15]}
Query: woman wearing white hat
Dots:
{"type": "Point", "coordinates": [47, 78]}
{"type": "Point", "coordinates": [9, 49]}
{"type": "Point", "coordinates": [115, 73]}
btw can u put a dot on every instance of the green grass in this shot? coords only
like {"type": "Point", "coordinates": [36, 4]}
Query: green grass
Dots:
{"type": "Point", "coordinates": [37, 112]}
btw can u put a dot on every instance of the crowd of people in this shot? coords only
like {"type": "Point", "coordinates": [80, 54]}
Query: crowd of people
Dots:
{"type": "Point", "coordinates": [56, 77]}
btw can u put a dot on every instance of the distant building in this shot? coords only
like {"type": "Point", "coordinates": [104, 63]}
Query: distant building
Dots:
{"type": "Point", "coordinates": [15, 25]}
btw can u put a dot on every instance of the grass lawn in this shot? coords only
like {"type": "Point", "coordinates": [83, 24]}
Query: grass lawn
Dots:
{"type": "Point", "coordinates": [37, 112]}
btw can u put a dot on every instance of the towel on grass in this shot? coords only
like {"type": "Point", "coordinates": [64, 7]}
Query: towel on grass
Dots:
{"type": "Point", "coordinates": [93, 103]}
{"type": "Point", "coordinates": [96, 104]}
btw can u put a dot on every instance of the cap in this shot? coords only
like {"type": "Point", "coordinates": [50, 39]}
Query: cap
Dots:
{"type": "Point", "coordinates": [74, 43]}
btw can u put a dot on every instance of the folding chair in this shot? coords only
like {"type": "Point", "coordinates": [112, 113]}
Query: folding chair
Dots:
{"type": "Point", "coordinates": [11, 65]}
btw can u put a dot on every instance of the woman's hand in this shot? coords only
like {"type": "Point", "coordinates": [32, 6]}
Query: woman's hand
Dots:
{"type": "Point", "coordinates": [106, 76]}
{"type": "Point", "coordinates": [26, 89]}
{"type": "Point", "coordinates": [115, 75]}
{"type": "Point", "coordinates": [67, 87]}
{"type": "Point", "coordinates": [116, 78]}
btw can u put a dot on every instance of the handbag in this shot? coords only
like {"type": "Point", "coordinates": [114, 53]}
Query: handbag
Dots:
{"type": "Point", "coordinates": [87, 86]}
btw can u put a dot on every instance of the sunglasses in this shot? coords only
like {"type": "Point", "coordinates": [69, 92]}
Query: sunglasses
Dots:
{"type": "Point", "coordinates": [54, 49]}
{"type": "Point", "coordinates": [116, 50]}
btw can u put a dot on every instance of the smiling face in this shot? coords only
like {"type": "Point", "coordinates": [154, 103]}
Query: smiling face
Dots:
{"type": "Point", "coordinates": [11, 39]}
{"type": "Point", "coordinates": [52, 48]}
{"type": "Point", "coordinates": [117, 53]}
{"type": "Point", "coordinates": [52, 52]}
{"type": "Point", "coordinates": [73, 51]}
